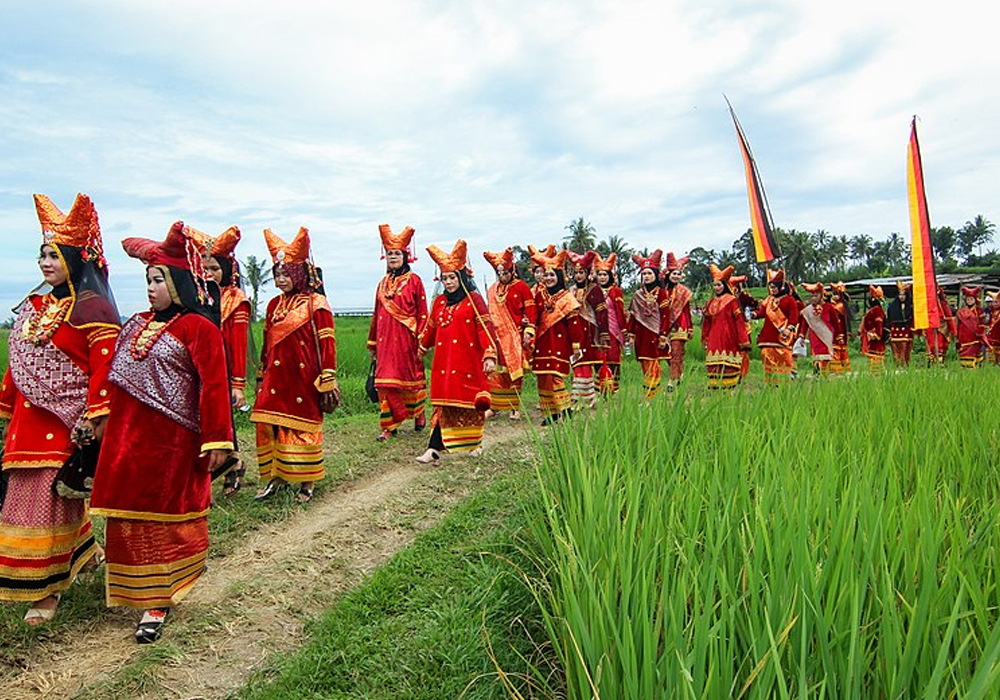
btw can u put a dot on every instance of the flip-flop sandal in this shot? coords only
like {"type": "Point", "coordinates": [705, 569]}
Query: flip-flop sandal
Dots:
{"type": "Point", "coordinates": [233, 481]}
{"type": "Point", "coordinates": [150, 627]}
{"type": "Point", "coordinates": [37, 616]}
{"type": "Point", "coordinates": [272, 488]}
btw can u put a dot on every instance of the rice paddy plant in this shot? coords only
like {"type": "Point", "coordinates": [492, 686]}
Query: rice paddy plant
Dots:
{"type": "Point", "coordinates": [827, 539]}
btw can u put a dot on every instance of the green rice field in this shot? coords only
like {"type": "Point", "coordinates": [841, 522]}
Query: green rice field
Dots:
{"type": "Point", "coordinates": [829, 538]}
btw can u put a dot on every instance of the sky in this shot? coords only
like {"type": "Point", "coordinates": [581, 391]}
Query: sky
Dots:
{"type": "Point", "coordinates": [497, 122]}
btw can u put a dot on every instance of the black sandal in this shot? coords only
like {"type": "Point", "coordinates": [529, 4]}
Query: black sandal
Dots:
{"type": "Point", "coordinates": [233, 481]}
{"type": "Point", "coordinates": [150, 627]}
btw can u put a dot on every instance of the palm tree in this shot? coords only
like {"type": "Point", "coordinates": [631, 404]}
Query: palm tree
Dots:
{"type": "Point", "coordinates": [624, 268]}
{"type": "Point", "coordinates": [861, 249]}
{"type": "Point", "coordinates": [257, 273]}
{"type": "Point", "coordinates": [898, 251]}
{"type": "Point", "coordinates": [975, 234]}
{"type": "Point", "coordinates": [582, 236]}
{"type": "Point", "coordinates": [943, 240]}
{"type": "Point", "coordinates": [796, 245]}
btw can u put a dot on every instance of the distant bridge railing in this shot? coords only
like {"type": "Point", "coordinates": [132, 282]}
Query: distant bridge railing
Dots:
{"type": "Point", "coordinates": [353, 311]}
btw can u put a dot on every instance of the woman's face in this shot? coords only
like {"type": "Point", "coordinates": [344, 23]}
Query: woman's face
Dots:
{"type": "Point", "coordinates": [675, 276]}
{"type": "Point", "coordinates": [394, 259]}
{"type": "Point", "coordinates": [580, 275]}
{"type": "Point", "coordinates": [647, 276]}
{"type": "Point", "coordinates": [772, 289]}
{"type": "Point", "coordinates": [550, 279]}
{"type": "Point", "coordinates": [970, 300]}
{"type": "Point", "coordinates": [718, 287]}
{"type": "Point", "coordinates": [51, 266]}
{"type": "Point", "coordinates": [603, 277]}
{"type": "Point", "coordinates": [504, 275]}
{"type": "Point", "coordinates": [214, 269]}
{"type": "Point", "coordinates": [539, 274]}
{"type": "Point", "coordinates": [157, 290]}
{"type": "Point", "coordinates": [283, 281]}
{"type": "Point", "coordinates": [450, 281]}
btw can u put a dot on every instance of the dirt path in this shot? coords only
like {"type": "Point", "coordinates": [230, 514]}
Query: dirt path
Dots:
{"type": "Point", "coordinates": [254, 603]}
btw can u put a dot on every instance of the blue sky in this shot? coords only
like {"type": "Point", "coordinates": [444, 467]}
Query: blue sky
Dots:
{"type": "Point", "coordinates": [498, 122]}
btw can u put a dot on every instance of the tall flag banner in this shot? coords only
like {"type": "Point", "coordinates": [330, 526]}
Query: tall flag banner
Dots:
{"type": "Point", "coordinates": [926, 313]}
{"type": "Point", "coordinates": [764, 243]}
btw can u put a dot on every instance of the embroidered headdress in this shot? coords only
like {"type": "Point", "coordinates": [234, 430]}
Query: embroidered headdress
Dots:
{"type": "Point", "coordinates": [397, 241]}
{"type": "Point", "coordinates": [972, 291]}
{"type": "Point", "coordinates": [454, 261]}
{"type": "Point", "coordinates": [903, 286]}
{"type": "Point", "coordinates": [652, 262]}
{"type": "Point", "coordinates": [605, 264]}
{"type": "Point", "coordinates": [674, 264]}
{"type": "Point", "coordinates": [876, 292]}
{"type": "Point", "coordinates": [79, 228]}
{"type": "Point", "coordinates": [582, 262]}
{"type": "Point", "coordinates": [179, 250]}
{"type": "Point", "coordinates": [503, 260]}
{"type": "Point", "coordinates": [549, 260]}
{"type": "Point", "coordinates": [815, 288]}
{"type": "Point", "coordinates": [776, 276]}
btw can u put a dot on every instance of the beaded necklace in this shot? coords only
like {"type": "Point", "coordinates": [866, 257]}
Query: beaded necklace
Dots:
{"type": "Point", "coordinates": [286, 302]}
{"type": "Point", "coordinates": [147, 335]}
{"type": "Point", "coordinates": [46, 321]}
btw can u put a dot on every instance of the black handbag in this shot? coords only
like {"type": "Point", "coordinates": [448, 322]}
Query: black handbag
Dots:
{"type": "Point", "coordinates": [370, 389]}
{"type": "Point", "coordinates": [76, 476]}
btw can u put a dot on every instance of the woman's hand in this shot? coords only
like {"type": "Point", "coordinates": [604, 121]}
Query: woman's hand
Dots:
{"type": "Point", "coordinates": [239, 399]}
{"type": "Point", "coordinates": [215, 458]}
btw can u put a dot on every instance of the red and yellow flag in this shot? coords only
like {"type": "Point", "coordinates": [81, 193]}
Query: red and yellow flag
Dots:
{"type": "Point", "coordinates": [765, 245]}
{"type": "Point", "coordinates": [925, 308]}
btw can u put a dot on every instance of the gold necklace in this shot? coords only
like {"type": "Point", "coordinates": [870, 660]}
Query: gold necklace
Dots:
{"type": "Point", "coordinates": [46, 321]}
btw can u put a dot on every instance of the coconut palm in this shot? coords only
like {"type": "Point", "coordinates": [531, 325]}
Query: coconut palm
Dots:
{"type": "Point", "coordinates": [257, 274]}
{"type": "Point", "coordinates": [582, 236]}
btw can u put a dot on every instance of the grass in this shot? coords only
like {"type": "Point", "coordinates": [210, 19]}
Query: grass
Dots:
{"type": "Point", "coordinates": [430, 622]}
{"type": "Point", "coordinates": [827, 539]}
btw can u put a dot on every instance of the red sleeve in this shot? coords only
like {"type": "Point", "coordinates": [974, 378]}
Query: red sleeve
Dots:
{"type": "Point", "coordinates": [742, 332]}
{"type": "Point", "coordinates": [267, 331]}
{"type": "Point", "coordinates": [373, 327]}
{"type": "Point", "coordinates": [100, 349]}
{"type": "Point", "coordinates": [208, 353]}
{"type": "Point", "coordinates": [7, 396]}
{"type": "Point", "coordinates": [596, 300]}
{"type": "Point", "coordinates": [791, 311]}
{"type": "Point", "coordinates": [663, 301]}
{"type": "Point", "coordinates": [485, 329]}
{"type": "Point", "coordinates": [238, 351]}
{"type": "Point", "coordinates": [421, 303]}
{"type": "Point", "coordinates": [575, 329]}
{"type": "Point", "coordinates": [706, 328]}
{"type": "Point", "coordinates": [526, 314]}
{"type": "Point", "coordinates": [426, 337]}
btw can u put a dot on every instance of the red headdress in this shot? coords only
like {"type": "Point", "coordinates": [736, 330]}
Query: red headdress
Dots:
{"type": "Point", "coordinates": [737, 279]}
{"type": "Point", "coordinates": [606, 265]}
{"type": "Point", "coordinates": [453, 261]}
{"type": "Point", "coordinates": [815, 288]}
{"type": "Point", "coordinates": [674, 264]}
{"type": "Point", "coordinates": [550, 251]}
{"type": "Point", "coordinates": [776, 276]}
{"type": "Point", "coordinates": [652, 262]}
{"type": "Point", "coordinates": [876, 292]}
{"type": "Point", "coordinates": [972, 291]}
{"type": "Point", "coordinates": [179, 249]}
{"type": "Point", "coordinates": [503, 260]}
{"type": "Point", "coordinates": [397, 241]}
{"type": "Point", "coordinates": [581, 262]}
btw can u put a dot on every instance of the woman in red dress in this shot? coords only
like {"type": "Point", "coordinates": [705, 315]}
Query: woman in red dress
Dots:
{"type": "Point", "coordinates": [400, 317]}
{"type": "Point", "coordinates": [679, 324]}
{"type": "Point", "coordinates": [820, 318]}
{"type": "Point", "coordinates": [724, 334]}
{"type": "Point", "coordinates": [609, 375]}
{"type": "Point", "coordinates": [512, 309]}
{"type": "Point", "coordinates": [594, 318]}
{"type": "Point", "coordinates": [54, 396]}
{"type": "Point", "coordinates": [224, 269]}
{"type": "Point", "coordinates": [781, 321]}
{"type": "Point", "coordinates": [649, 322]}
{"type": "Point", "coordinates": [554, 338]}
{"type": "Point", "coordinates": [873, 331]}
{"type": "Point", "coordinates": [465, 353]}
{"type": "Point", "coordinates": [170, 425]}
{"type": "Point", "coordinates": [298, 362]}
{"type": "Point", "coordinates": [840, 360]}
{"type": "Point", "coordinates": [993, 326]}
{"type": "Point", "coordinates": [971, 323]}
